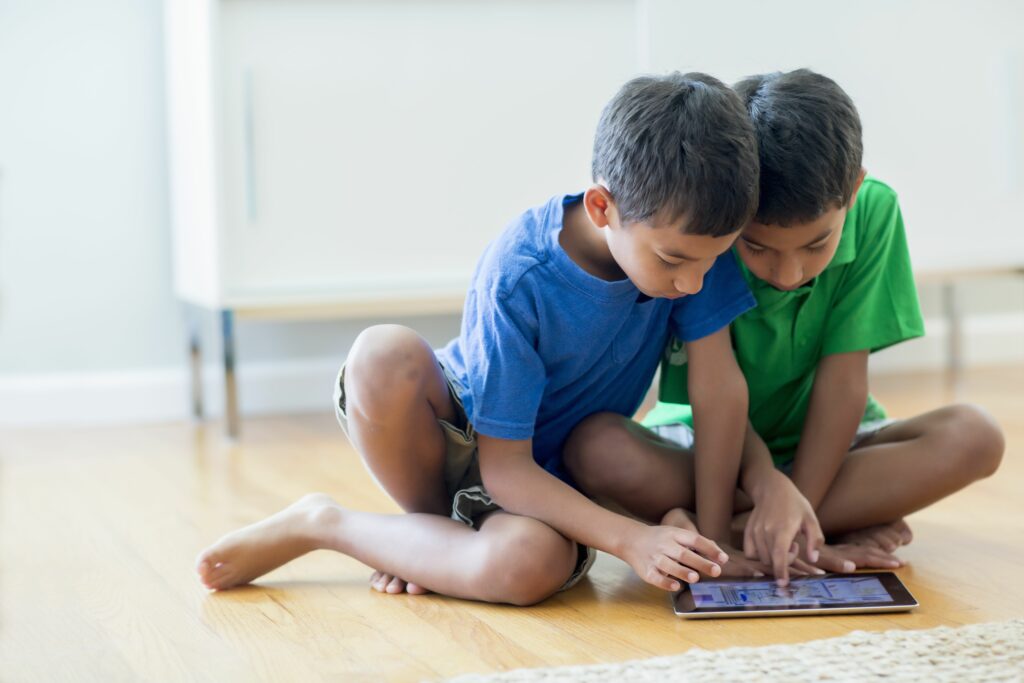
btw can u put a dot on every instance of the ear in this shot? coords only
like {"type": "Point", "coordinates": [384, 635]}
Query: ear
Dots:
{"type": "Point", "coordinates": [856, 187]}
{"type": "Point", "coordinates": [597, 200]}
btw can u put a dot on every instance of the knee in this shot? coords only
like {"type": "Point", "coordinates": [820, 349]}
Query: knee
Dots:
{"type": "Point", "coordinates": [525, 566]}
{"type": "Point", "coordinates": [593, 453]}
{"type": "Point", "coordinates": [975, 439]}
{"type": "Point", "coordinates": [386, 363]}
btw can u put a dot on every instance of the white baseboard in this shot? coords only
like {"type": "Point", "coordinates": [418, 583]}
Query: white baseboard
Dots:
{"type": "Point", "coordinates": [163, 394]}
{"type": "Point", "coordinates": [987, 340]}
{"type": "Point", "coordinates": [292, 386]}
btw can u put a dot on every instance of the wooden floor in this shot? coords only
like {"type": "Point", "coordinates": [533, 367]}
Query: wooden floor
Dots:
{"type": "Point", "coordinates": [99, 529]}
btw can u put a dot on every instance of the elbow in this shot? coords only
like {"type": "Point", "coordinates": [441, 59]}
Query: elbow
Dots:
{"type": "Point", "coordinates": [725, 390]}
{"type": "Point", "coordinates": [492, 480]}
{"type": "Point", "coordinates": [500, 481]}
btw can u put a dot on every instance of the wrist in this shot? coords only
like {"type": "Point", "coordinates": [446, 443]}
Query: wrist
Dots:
{"type": "Point", "coordinates": [621, 535]}
{"type": "Point", "coordinates": [763, 483]}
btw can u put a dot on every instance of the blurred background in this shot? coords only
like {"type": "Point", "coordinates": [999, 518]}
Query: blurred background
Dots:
{"type": "Point", "coordinates": [268, 177]}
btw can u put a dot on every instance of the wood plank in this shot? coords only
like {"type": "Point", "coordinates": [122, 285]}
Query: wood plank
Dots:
{"type": "Point", "coordinates": [99, 529]}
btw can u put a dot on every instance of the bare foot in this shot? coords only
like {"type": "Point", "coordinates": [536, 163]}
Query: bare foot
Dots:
{"type": "Point", "coordinates": [887, 537]}
{"type": "Point", "coordinates": [386, 583]}
{"type": "Point", "coordinates": [249, 553]}
{"type": "Point", "coordinates": [680, 518]}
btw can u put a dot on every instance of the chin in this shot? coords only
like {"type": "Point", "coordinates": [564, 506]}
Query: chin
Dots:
{"type": "Point", "coordinates": [789, 288]}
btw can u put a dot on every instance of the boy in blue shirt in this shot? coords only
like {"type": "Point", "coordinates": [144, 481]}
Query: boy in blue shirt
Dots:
{"type": "Point", "coordinates": [567, 315]}
{"type": "Point", "coordinates": [826, 258]}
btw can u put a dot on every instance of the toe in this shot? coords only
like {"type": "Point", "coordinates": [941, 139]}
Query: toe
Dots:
{"type": "Point", "coordinates": [218, 576]}
{"type": "Point", "coordinates": [396, 585]}
{"type": "Point", "coordinates": [415, 589]}
{"type": "Point", "coordinates": [381, 582]}
{"type": "Point", "coordinates": [206, 560]}
{"type": "Point", "coordinates": [678, 517]}
{"type": "Point", "coordinates": [207, 566]}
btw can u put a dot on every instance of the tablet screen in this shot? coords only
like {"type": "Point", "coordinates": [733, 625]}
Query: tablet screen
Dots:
{"type": "Point", "coordinates": [803, 592]}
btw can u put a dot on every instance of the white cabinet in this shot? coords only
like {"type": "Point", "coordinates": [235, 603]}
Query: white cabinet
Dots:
{"type": "Point", "coordinates": [331, 157]}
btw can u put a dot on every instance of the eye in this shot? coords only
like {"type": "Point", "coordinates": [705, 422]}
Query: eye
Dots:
{"type": "Point", "coordinates": [753, 248]}
{"type": "Point", "coordinates": [666, 263]}
{"type": "Point", "coordinates": [817, 249]}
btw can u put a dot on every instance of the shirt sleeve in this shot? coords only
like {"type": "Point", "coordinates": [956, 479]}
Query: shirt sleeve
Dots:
{"type": "Point", "coordinates": [506, 375]}
{"type": "Point", "coordinates": [876, 304]}
{"type": "Point", "coordinates": [723, 298]}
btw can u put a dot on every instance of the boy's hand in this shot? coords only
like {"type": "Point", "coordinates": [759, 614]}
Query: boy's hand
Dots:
{"type": "Point", "coordinates": [665, 555]}
{"type": "Point", "coordinates": [780, 514]}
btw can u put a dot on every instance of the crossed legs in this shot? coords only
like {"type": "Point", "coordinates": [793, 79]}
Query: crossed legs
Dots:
{"type": "Point", "coordinates": [395, 393]}
{"type": "Point", "coordinates": [901, 469]}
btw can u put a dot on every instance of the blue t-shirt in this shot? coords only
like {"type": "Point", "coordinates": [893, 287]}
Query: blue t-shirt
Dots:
{"type": "Point", "coordinates": [545, 344]}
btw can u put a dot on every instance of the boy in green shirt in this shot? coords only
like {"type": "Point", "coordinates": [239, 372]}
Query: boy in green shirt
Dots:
{"type": "Point", "coordinates": [826, 258]}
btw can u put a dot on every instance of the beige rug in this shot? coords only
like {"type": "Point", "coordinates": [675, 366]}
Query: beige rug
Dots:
{"type": "Point", "coordinates": [980, 652]}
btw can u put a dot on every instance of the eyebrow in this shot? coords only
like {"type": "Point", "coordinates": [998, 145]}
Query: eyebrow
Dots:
{"type": "Point", "coordinates": [672, 254]}
{"type": "Point", "coordinates": [817, 239]}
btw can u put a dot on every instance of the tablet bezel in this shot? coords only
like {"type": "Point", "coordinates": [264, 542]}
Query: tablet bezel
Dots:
{"type": "Point", "coordinates": [902, 600]}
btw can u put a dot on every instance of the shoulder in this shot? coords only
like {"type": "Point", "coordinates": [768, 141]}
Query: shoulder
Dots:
{"type": "Point", "coordinates": [519, 248]}
{"type": "Point", "coordinates": [510, 271]}
{"type": "Point", "coordinates": [876, 206]}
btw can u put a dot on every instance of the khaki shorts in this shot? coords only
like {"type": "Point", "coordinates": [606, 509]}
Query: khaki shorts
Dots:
{"type": "Point", "coordinates": [463, 483]}
{"type": "Point", "coordinates": [682, 434]}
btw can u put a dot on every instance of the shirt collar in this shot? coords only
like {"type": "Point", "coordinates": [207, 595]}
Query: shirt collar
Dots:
{"type": "Point", "coordinates": [846, 252]}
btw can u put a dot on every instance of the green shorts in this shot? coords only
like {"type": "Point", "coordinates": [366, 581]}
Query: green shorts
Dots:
{"type": "Point", "coordinates": [470, 501]}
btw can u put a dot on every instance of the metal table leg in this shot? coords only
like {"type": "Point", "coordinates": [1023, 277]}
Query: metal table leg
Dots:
{"type": "Point", "coordinates": [227, 320]}
{"type": "Point", "coordinates": [195, 353]}
{"type": "Point", "coordinates": [955, 347]}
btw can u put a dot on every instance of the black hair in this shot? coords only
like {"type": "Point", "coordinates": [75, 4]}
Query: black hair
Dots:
{"type": "Point", "coordinates": [679, 145]}
{"type": "Point", "coordinates": [809, 137]}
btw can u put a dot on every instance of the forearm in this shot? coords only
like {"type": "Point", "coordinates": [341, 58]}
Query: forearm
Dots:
{"type": "Point", "coordinates": [718, 393]}
{"type": "Point", "coordinates": [522, 487]}
{"type": "Point", "coordinates": [756, 467]}
{"type": "Point", "coordinates": [719, 414]}
{"type": "Point", "coordinates": [836, 407]}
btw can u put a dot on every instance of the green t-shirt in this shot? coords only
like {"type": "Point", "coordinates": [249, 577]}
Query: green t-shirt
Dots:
{"type": "Point", "coordinates": [864, 299]}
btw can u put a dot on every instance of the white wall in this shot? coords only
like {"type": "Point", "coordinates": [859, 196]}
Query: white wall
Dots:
{"type": "Point", "coordinates": [89, 329]}
{"type": "Point", "coordinates": [86, 309]}
{"type": "Point", "coordinates": [83, 240]}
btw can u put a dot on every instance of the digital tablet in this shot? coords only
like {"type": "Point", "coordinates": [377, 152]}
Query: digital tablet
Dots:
{"type": "Point", "coordinates": [827, 594]}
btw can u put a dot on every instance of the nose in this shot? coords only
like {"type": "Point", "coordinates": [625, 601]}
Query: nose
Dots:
{"type": "Point", "coordinates": [690, 283]}
{"type": "Point", "coordinates": [788, 272]}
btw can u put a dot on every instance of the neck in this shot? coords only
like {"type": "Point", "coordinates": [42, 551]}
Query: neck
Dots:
{"type": "Point", "coordinates": [586, 245]}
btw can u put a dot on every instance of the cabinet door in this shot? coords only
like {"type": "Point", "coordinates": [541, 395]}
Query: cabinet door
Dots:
{"type": "Point", "coordinates": [378, 146]}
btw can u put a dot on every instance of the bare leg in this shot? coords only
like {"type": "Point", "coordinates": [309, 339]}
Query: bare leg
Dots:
{"type": "Point", "coordinates": [627, 466]}
{"type": "Point", "coordinates": [395, 392]}
{"type": "Point", "coordinates": [902, 469]}
{"type": "Point", "coordinates": [910, 465]}
{"type": "Point", "coordinates": [617, 460]}
{"type": "Point", "coordinates": [622, 463]}
{"type": "Point", "coordinates": [511, 559]}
